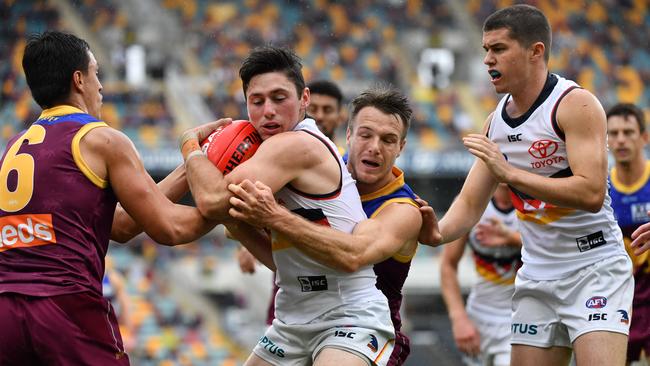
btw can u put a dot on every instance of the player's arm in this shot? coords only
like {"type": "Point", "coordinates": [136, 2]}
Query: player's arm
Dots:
{"type": "Point", "coordinates": [119, 284]}
{"type": "Point", "coordinates": [165, 222]}
{"type": "Point", "coordinates": [465, 333]}
{"type": "Point", "coordinates": [468, 207]}
{"type": "Point", "coordinates": [279, 160]}
{"type": "Point", "coordinates": [255, 240]}
{"type": "Point", "coordinates": [174, 186]}
{"type": "Point", "coordinates": [371, 241]}
{"type": "Point", "coordinates": [583, 121]}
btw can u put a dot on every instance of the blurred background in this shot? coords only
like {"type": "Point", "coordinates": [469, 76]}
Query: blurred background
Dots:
{"type": "Point", "coordinates": [169, 64]}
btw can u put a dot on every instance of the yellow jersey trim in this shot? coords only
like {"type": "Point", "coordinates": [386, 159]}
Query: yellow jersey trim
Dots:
{"type": "Point", "coordinates": [59, 110]}
{"type": "Point", "coordinates": [388, 188]}
{"type": "Point", "coordinates": [78, 159]}
{"type": "Point", "coordinates": [629, 189]}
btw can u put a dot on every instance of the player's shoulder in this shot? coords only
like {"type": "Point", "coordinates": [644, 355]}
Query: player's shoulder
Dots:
{"type": "Point", "coordinates": [293, 144]}
{"type": "Point", "coordinates": [577, 103]}
{"type": "Point", "coordinates": [107, 139]}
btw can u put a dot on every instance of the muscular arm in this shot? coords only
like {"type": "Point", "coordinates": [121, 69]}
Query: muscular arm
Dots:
{"type": "Point", "coordinates": [465, 333]}
{"type": "Point", "coordinates": [287, 157]}
{"type": "Point", "coordinates": [372, 240]}
{"type": "Point", "coordinates": [583, 121]}
{"type": "Point", "coordinates": [173, 186]}
{"type": "Point", "coordinates": [114, 156]}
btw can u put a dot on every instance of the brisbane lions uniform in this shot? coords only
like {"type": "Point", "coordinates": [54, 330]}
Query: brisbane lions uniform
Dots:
{"type": "Point", "coordinates": [392, 273]}
{"type": "Point", "coordinates": [317, 306]}
{"type": "Point", "coordinates": [55, 222]}
{"type": "Point", "coordinates": [631, 204]}
{"type": "Point", "coordinates": [489, 303]}
{"type": "Point", "coordinates": [567, 253]}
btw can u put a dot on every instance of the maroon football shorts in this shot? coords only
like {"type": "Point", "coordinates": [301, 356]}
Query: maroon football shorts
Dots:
{"type": "Point", "coordinates": [639, 338]}
{"type": "Point", "coordinates": [72, 329]}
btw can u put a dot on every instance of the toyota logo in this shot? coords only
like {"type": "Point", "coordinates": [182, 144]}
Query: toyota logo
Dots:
{"type": "Point", "coordinates": [541, 149]}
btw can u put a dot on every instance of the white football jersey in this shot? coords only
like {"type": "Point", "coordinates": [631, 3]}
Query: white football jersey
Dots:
{"type": "Point", "coordinates": [556, 240]}
{"type": "Point", "coordinates": [309, 289]}
{"type": "Point", "coordinates": [490, 299]}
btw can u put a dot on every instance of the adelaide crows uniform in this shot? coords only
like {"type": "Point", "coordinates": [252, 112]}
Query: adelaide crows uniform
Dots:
{"type": "Point", "coordinates": [489, 303]}
{"type": "Point", "coordinates": [560, 243]}
{"type": "Point", "coordinates": [55, 219]}
{"type": "Point", "coordinates": [317, 306]}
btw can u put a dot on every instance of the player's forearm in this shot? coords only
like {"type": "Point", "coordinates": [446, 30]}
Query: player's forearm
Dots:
{"type": "Point", "coordinates": [255, 240]}
{"type": "Point", "coordinates": [576, 192]}
{"type": "Point", "coordinates": [208, 188]}
{"type": "Point", "coordinates": [330, 247]}
{"type": "Point", "coordinates": [451, 294]}
{"type": "Point", "coordinates": [173, 186]}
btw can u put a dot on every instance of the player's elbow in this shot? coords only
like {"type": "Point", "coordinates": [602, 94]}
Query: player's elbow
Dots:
{"type": "Point", "coordinates": [211, 207]}
{"type": "Point", "coordinates": [594, 202]}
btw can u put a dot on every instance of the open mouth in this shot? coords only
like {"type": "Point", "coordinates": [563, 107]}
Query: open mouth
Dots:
{"type": "Point", "coordinates": [370, 163]}
{"type": "Point", "coordinates": [494, 74]}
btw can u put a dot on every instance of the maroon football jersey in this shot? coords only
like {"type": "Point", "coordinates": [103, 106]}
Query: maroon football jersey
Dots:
{"type": "Point", "coordinates": [55, 213]}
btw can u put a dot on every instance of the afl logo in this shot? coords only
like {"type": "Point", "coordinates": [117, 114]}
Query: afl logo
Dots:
{"type": "Point", "coordinates": [542, 149]}
{"type": "Point", "coordinates": [596, 302]}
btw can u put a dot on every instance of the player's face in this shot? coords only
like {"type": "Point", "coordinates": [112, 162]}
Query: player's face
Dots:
{"type": "Point", "coordinates": [624, 139]}
{"type": "Point", "coordinates": [273, 104]}
{"type": "Point", "coordinates": [375, 141]}
{"type": "Point", "coordinates": [325, 110]}
{"type": "Point", "coordinates": [92, 88]}
{"type": "Point", "coordinates": [506, 61]}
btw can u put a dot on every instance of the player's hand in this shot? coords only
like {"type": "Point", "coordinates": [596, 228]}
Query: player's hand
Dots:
{"type": "Point", "coordinates": [246, 260]}
{"type": "Point", "coordinates": [254, 203]}
{"type": "Point", "coordinates": [429, 232]}
{"type": "Point", "coordinates": [492, 233]}
{"type": "Point", "coordinates": [200, 133]}
{"type": "Point", "coordinates": [466, 336]}
{"type": "Point", "coordinates": [488, 151]}
{"type": "Point", "coordinates": [641, 239]}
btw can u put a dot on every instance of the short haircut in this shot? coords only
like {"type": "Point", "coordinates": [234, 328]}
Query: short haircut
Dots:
{"type": "Point", "coordinates": [526, 25]}
{"type": "Point", "coordinates": [385, 98]}
{"type": "Point", "coordinates": [326, 87]}
{"type": "Point", "coordinates": [626, 110]}
{"type": "Point", "coordinates": [49, 61]}
{"type": "Point", "coordinates": [267, 59]}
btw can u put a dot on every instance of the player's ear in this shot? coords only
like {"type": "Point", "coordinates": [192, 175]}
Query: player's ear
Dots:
{"type": "Point", "coordinates": [77, 80]}
{"type": "Point", "coordinates": [538, 50]}
{"type": "Point", "coordinates": [305, 98]}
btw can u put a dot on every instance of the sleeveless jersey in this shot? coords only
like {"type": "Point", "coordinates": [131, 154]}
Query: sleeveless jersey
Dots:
{"type": "Point", "coordinates": [392, 272]}
{"type": "Point", "coordinates": [55, 213]}
{"type": "Point", "coordinates": [556, 240]}
{"type": "Point", "coordinates": [490, 298]}
{"type": "Point", "coordinates": [631, 205]}
{"type": "Point", "coordinates": [309, 289]}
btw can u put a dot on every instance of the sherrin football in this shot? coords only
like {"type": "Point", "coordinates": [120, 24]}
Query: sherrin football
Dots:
{"type": "Point", "coordinates": [231, 145]}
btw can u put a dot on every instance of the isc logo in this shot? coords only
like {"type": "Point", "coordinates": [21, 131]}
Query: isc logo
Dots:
{"type": "Point", "coordinates": [20, 231]}
{"type": "Point", "coordinates": [596, 302]}
{"type": "Point", "coordinates": [597, 316]}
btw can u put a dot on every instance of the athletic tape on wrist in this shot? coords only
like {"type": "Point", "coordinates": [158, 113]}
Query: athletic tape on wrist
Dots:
{"type": "Point", "coordinates": [194, 153]}
{"type": "Point", "coordinates": [190, 146]}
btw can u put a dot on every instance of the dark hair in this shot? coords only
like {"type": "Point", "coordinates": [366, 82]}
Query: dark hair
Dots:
{"type": "Point", "coordinates": [526, 25]}
{"type": "Point", "coordinates": [266, 59]}
{"type": "Point", "coordinates": [326, 87]}
{"type": "Point", "coordinates": [626, 110]}
{"type": "Point", "coordinates": [49, 61]}
{"type": "Point", "coordinates": [385, 98]}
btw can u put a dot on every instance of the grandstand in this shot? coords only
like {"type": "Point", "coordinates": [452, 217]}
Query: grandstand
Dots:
{"type": "Point", "coordinates": [170, 64]}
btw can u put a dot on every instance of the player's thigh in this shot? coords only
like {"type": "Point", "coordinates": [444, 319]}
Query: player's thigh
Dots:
{"type": "Point", "coordinates": [332, 356]}
{"type": "Point", "coordinates": [255, 360]}
{"type": "Point", "coordinates": [590, 351]}
{"type": "Point", "coordinates": [15, 345]}
{"type": "Point", "coordinates": [76, 329]}
{"type": "Point", "coordinates": [538, 356]}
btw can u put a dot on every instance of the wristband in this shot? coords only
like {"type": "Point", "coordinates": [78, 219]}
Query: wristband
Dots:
{"type": "Point", "coordinates": [190, 146]}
